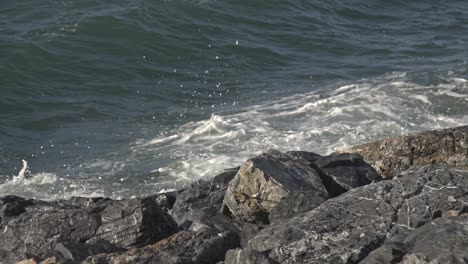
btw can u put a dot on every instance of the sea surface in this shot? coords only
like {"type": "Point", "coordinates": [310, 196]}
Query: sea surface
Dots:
{"type": "Point", "coordinates": [133, 97]}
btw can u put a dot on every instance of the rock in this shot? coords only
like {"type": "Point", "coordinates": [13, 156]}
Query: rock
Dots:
{"type": "Point", "coordinates": [346, 228]}
{"type": "Point", "coordinates": [340, 172]}
{"type": "Point", "coordinates": [75, 251]}
{"type": "Point", "coordinates": [51, 260]}
{"type": "Point", "coordinates": [263, 182]}
{"type": "Point", "coordinates": [246, 256]}
{"type": "Point", "coordinates": [439, 147]}
{"type": "Point", "coordinates": [32, 228]}
{"type": "Point", "coordinates": [444, 240]}
{"type": "Point", "coordinates": [184, 247]}
{"type": "Point", "coordinates": [199, 207]}
{"type": "Point", "coordinates": [202, 200]}
{"type": "Point", "coordinates": [166, 200]}
{"type": "Point", "coordinates": [27, 261]}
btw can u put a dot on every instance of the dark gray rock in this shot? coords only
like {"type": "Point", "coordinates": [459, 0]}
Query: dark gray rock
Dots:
{"type": "Point", "coordinates": [347, 170]}
{"type": "Point", "coordinates": [263, 182]}
{"type": "Point", "coordinates": [31, 228]}
{"type": "Point", "coordinates": [246, 256]}
{"type": "Point", "coordinates": [166, 200]}
{"type": "Point", "coordinates": [200, 206]}
{"type": "Point", "coordinates": [345, 229]}
{"type": "Point", "coordinates": [444, 240]}
{"type": "Point", "coordinates": [73, 252]}
{"type": "Point", "coordinates": [340, 172]}
{"type": "Point", "coordinates": [184, 247]}
{"type": "Point", "coordinates": [201, 201]}
{"type": "Point", "coordinates": [439, 147]}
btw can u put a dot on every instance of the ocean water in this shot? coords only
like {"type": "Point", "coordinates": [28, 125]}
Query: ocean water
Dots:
{"type": "Point", "coordinates": [133, 97]}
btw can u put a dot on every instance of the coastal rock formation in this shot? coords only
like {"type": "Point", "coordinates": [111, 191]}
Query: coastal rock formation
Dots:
{"type": "Point", "coordinates": [347, 228]}
{"type": "Point", "coordinates": [391, 156]}
{"type": "Point", "coordinates": [340, 172]}
{"type": "Point", "coordinates": [271, 180]}
{"type": "Point", "coordinates": [187, 247]}
{"type": "Point", "coordinates": [444, 240]}
{"type": "Point", "coordinates": [40, 229]}
{"type": "Point", "coordinates": [199, 204]}
{"type": "Point", "coordinates": [294, 207]}
{"type": "Point", "coordinates": [199, 207]}
{"type": "Point", "coordinates": [242, 256]}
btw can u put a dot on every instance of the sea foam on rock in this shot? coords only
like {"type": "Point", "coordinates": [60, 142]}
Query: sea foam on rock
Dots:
{"type": "Point", "coordinates": [294, 207]}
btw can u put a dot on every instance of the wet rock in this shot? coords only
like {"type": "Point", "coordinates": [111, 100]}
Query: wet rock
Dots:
{"type": "Point", "coordinates": [202, 200]}
{"type": "Point", "coordinates": [266, 181]}
{"type": "Point", "coordinates": [444, 240]}
{"type": "Point", "coordinates": [199, 206]}
{"type": "Point", "coordinates": [340, 172]}
{"type": "Point", "coordinates": [184, 247]}
{"type": "Point", "coordinates": [440, 147]}
{"type": "Point", "coordinates": [166, 200]}
{"type": "Point", "coordinates": [32, 228]}
{"type": "Point", "coordinates": [345, 229]}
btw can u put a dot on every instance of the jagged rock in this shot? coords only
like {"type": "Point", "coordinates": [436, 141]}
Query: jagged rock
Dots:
{"type": "Point", "coordinates": [340, 172]}
{"type": "Point", "coordinates": [246, 256]}
{"type": "Point", "coordinates": [346, 228]}
{"type": "Point", "coordinates": [199, 206]}
{"type": "Point", "coordinates": [444, 240]}
{"type": "Point", "coordinates": [202, 200]}
{"type": "Point", "coordinates": [166, 200]}
{"type": "Point", "coordinates": [73, 252]}
{"type": "Point", "coordinates": [32, 228]}
{"type": "Point", "coordinates": [263, 182]}
{"type": "Point", "coordinates": [184, 247]}
{"type": "Point", "coordinates": [440, 147]}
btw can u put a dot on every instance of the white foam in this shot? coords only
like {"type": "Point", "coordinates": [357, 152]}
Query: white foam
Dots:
{"type": "Point", "coordinates": [44, 186]}
{"type": "Point", "coordinates": [350, 114]}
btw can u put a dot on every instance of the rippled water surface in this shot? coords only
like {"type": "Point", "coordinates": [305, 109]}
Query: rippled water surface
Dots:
{"type": "Point", "coordinates": [132, 97]}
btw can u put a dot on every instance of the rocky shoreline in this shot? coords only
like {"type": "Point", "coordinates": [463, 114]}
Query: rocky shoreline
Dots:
{"type": "Point", "coordinates": [397, 200]}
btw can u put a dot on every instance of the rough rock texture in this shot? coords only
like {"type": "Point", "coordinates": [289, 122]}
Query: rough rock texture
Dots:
{"type": "Point", "coordinates": [184, 247]}
{"type": "Point", "coordinates": [340, 172]}
{"type": "Point", "coordinates": [266, 181]}
{"type": "Point", "coordinates": [31, 228]}
{"type": "Point", "coordinates": [199, 206]}
{"type": "Point", "coordinates": [392, 155]}
{"type": "Point", "coordinates": [444, 240]}
{"type": "Point", "coordinates": [166, 200]}
{"type": "Point", "coordinates": [246, 256]}
{"type": "Point", "coordinates": [346, 228]}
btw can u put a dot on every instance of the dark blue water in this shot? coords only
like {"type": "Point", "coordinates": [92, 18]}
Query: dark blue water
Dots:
{"type": "Point", "coordinates": [131, 97]}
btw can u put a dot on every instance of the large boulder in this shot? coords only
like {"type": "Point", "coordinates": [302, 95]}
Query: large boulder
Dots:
{"type": "Point", "coordinates": [32, 228]}
{"type": "Point", "coordinates": [440, 147]}
{"type": "Point", "coordinates": [345, 229]}
{"type": "Point", "coordinates": [199, 203]}
{"type": "Point", "coordinates": [444, 240]}
{"type": "Point", "coordinates": [273, 181]}
{"type": "Point", "coordinates": [185, 247]}
{"type": "Point", "coordinates": [199, 206]}
{"type": "Point", "coordinates": [340, 172]}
